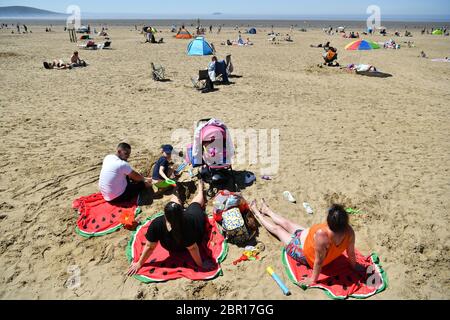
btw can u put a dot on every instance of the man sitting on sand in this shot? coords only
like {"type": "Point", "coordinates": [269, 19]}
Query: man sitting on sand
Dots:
{"type": "Point", "coordinates": [330, 56]}
{"type": "Point", "coordinates": [118, 181]}
{"type": "Point", "coordinates": [316, 246]}
{"type": "Point", "coordinates": [75, 61]}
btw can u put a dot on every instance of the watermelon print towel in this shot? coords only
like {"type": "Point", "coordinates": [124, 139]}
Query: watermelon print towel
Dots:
{"type": "Point", "coordinates": [162, 267]}
{"type": "Point", "coordinates": [338, 279]}
{"type": "Point", "coordinates": [99, 217]}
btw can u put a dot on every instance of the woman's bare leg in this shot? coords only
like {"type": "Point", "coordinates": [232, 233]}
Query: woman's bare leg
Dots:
{"type": "Point", "coordinates": [276, 230]}
{"type": "Point", "coordinates": [287, 225]}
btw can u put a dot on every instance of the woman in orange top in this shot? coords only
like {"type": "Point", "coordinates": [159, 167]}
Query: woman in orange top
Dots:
{"type": "Point", "coordinates": [316, 246]}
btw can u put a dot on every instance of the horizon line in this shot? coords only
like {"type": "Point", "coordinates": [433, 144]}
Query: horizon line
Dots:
{"type": "Point", "coordinates": [223, 16]}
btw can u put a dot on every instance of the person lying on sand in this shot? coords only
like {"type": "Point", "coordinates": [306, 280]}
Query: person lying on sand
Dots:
{"type": "Point", "coordinates": [75, 61]}
{"type": "Point", "coordinates": [177, 230]}
{"type": "Point", "coordinates": [118, 181]}
{"type": "Point", "coordinates": [57, 64]}
{"type": "Point", "coordinates": [316, 246]}
{"type": "Point", "coordinates": [360, 68]}
{"type": "Point", "coordinates": [325, 46]}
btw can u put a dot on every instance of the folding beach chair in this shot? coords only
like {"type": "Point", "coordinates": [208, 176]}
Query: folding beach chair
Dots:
{"type": "Point", "coordinates": [213, 48]}
{"type": "Point", "coordinates": [221, 72]}
{"type": "Point", "coordinates": [230, 67]}
{"type": "Point", "coordinates": [203, 81]}
{"type": "Point", "coordinates": [158, 73]}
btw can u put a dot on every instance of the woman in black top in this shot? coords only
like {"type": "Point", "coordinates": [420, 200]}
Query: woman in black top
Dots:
{"type": "Point", "coordinates": [177, 231]}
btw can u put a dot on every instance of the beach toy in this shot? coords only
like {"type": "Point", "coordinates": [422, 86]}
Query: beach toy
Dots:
{"type": "Point", "coordinates": [280, 283]}
{"type": "Point", "coordinates": [288, 196]}
{"type": "Point", "coordinates": [165, 184]}
{"type": "Point", "coordinates": [308, 208]}
{"type": "Point", "coordinates": [181, 168]}
{"type": "Point", "coordinates": [250, 254]}
{"type": "Point", "coordinates": [354, 211]}
{"type": "Point", "coordinates": [127, 218]}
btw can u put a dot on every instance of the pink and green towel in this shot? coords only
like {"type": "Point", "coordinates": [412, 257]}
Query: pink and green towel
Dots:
{"type": "Point", "coordinates": [338, 279]}
{"type": "Point", "coordinates": [161, 266]}
{"type": "Point", "coordinates": [97, 217]}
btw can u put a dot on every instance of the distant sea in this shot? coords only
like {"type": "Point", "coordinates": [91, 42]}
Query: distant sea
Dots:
{"type": "Point", "coordinates": [189, 23]}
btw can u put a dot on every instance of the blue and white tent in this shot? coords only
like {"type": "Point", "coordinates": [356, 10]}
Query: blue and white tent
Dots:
{"type": "Point", "coordinates": [199, 47]}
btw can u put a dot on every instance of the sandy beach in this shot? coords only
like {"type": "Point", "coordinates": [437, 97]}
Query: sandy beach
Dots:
{"type": "Point", "coordinates": [378, 144]}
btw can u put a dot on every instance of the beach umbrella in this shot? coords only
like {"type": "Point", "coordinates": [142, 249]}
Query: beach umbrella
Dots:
{"type": "Point", "coordinates": [362, 45]}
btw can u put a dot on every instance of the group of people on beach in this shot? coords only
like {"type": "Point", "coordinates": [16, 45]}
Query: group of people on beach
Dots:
{"type": "Point", "coordinates": [24, 27]}
{"type": "Point", "coordinates": [181, 229]}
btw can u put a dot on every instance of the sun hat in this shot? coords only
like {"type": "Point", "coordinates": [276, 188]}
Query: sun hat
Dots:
{"type": "Point", "coordinates": [167, 148]}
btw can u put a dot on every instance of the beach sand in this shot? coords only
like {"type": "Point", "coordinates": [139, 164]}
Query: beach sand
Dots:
{"type": "Point", "coordinates": [381, 145]}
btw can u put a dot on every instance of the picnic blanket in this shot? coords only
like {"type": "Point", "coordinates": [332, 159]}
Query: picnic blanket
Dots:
{"type": "Point", "coordinates": [99, 217]}
{"type": "Point", "coordinates": [338, 279]}
{"type": "Point", "coordinates": [161, 266]}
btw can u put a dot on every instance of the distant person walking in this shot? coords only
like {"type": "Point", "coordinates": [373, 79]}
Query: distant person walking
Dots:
{"type": "Point", "coordinates": [18, 28]}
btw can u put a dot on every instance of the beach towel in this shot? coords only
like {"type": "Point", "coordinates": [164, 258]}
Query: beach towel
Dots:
{"type": "Point", "coordinates": [161, 266]}
{"type": "Point", "coordinates": [338, 279]}
{"type": "Point", "coordinates": [99, 217]}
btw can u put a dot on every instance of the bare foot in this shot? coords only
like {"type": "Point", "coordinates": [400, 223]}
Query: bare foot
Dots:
{"type": "Point", "coordinates": [254, 209]}
{"type": "Point", "coordinates": [265, 208]}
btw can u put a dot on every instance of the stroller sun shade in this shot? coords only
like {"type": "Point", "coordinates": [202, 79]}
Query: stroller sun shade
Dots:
{"type": "Point", "coordinates": [212, 145]}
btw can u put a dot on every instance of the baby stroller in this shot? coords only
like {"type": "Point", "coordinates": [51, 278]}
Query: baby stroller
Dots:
{"type": "Point", "coordinates": [212, 151]}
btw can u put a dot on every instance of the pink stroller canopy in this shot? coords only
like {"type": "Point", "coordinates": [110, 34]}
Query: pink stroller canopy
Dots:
{"type": "Point", "coordinates": [212, 145]}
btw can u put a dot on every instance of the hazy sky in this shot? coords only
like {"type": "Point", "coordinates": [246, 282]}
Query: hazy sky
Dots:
{"type": "Point", "coordinates": [254, 7]}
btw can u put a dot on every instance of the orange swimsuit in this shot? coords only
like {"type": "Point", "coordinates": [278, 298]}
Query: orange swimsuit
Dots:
{"type": "Point", "coordinates": [333, 251]}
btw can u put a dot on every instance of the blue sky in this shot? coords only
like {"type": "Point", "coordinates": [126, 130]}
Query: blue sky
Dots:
{"type": "Point", "coordinates": [248, 7]}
